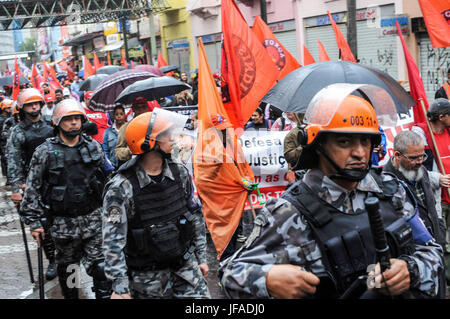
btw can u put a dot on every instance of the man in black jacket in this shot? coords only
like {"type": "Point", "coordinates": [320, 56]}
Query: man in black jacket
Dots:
{"type": "Point", "coordinates": [406, 164]}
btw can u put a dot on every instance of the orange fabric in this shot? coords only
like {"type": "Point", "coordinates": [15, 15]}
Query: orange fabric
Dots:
{"type": "Point", "coordinates": [50, 72]}
{"type": "Point", "coordinates": [247, 69]}
{"type": "Point", "coordinates": [123, 62]}
{"type": "Point", "coordinates": [36, 79]}
{"type": "Point", "coordinates": [436, 14]}
{"type": "Point", "coordinates": [132, 64]}
{"type": "Point", "coordinates": [323, 55]}
{"type": "Point", "coordinates": [97, 64]}
{"type": "Point", "coordinates": [219, 179]}
{"type": "Point", "coordinates": [307, 57]}
{"type": "Point", "coordinates": [16, 82]}
{"type": "Point", "coordinates": [416, 87]}
{"type": "Point", "coordinates": [345, 53]}
{"type": "Point", "coordinates": [88, 68]}
{"type": "Point", "coordinates": [283, 60]}
{"type": "Point", "coordinates": [161, 61]}
{"type": "Point", "coordinates": [447, 89]}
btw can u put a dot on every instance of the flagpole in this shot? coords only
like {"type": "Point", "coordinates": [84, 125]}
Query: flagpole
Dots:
{"type": "Point", "coordinates": [436, 54]}
{"type": "Point", "coordinates": [438, 155]}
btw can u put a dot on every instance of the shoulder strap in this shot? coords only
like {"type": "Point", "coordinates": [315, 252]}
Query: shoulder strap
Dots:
{"type": "Point", "coordinates": [308, 204]}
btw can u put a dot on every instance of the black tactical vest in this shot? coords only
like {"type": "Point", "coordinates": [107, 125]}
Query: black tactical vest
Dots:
{"type": "Point", "coordinates": [73, 187]}
{"type": "Point", "coordinates": [345, 240]}
{"type": "Point", "coordinates": [161, 231]}
{"type": "Point", "coordinates": [34, 136]}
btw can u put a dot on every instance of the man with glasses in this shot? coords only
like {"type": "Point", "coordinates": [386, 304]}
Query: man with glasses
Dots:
{"type": "Point", "coordinates": [424, 185]}
{"type": "Point", "coordinates": [439, 117]}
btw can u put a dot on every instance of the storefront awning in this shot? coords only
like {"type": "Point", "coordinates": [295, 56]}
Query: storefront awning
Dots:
{"type": "Point", "coordinates": [112, 46]}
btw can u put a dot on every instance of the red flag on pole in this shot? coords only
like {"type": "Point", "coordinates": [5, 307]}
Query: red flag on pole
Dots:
{"type": "Point", "coordinates": [132, 64]}
{"type": "Point", "coordinates": [161, 62]}
{"type": "Point", "coordinates": [16, 82]}
{"type": "Point", "coordinates": [88, 69]}
{"type": "Point", "coordinates": [123, 62]}
{"type": "Point", "coordinates": [7, 71]}
{"type": "Point", "coordinates": [218, 177]}
{"type": "Point", "coordinates": [248, 71]}
{"type": "Point", "coordinates": [417, 88]}
{"type": "Point", "coordinates": [50, 72]}
{"type": "Point", "coordinates": [283, 60]}
{"type": "Point", "coordinates": [36, 78]}
{"type": "Point", "coordinates": [345, 53]}
{"type": "Point", "coordinates": [436, 14]}
{"type": "Point", "coordinates": [97, 64]}
{"type": "Point", "coordinates": [307, 57]}
{"type": "Point", "coordinates": [323, 55]}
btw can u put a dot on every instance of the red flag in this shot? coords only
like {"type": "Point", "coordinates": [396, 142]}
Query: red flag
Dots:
{"type": "Point", "coordinates": [345, 53]}
{"type": "Point", "coordinates": [7, 71]}
{"type": "Point", "coordinates": [248, 71]}
{"type": "Point", "coordinates": [16, 82]}
{"type": "Point", "coordinates": [132, 64]}
{"type": "Point", "coordinates": [323, 56]}
{"type": "Point", "coordinates": [416, 86]}
{"type": "Point", "coordinates": [88, 69]}
{"type": "Point", "coordinates": [36, 78]}
{"type": "Point", "coordinates": [161, 61]}
{"type": "Point", "coordinates": [50, 72]}
{"type": "Point", "coordinates": [307, 57]}
{"type": "Point", "coordinates": [283, 60]}
{"type": "Point", "coordinates": [97, 64]}
{"type": "Point", "coordinates": [123, 62]}
{"type": "Point", "coordinates": [218, 177]}
{"type": "Point", "coordinates": [436, 14]}
{"type": "Point", "coordinates": [67, 68]}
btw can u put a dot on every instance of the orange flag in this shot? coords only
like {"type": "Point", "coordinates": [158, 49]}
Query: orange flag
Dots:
{"type": "Point", "coordinates": [323, 55]}
{"type": "Point", "coordinates": [88, 69]}
{"type": "Point", "coordinates": [436, 14]}
{"type": "Point", "coordinates": [123, 62]}
{"type": "Point", "coordinates": [132, 64]}
{"type": "Point", "coordinates": [16, 81]}
{"type": "Point", "coordinates": [283, 60]}
{"type": "Point", "coordinates": [248, 71]}
{"type": "Point", "coordinates": [161, 61]}
{"type": "Point", "coordinates": [97, 64]}
{"type": "Point", "coordinates": [219, 173]}
{"type": "Point", "coordinates": [53, 81]}
{"type": "Point", "coordinates": [307, 57]}
{"type": "Point", "coordinates": [345, 53]}
{"type": "Point", "coordinates": [36, 79]}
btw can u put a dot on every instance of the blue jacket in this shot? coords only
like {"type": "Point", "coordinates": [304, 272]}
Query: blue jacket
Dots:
{"type": "Point", "coordinates": [109, 145]}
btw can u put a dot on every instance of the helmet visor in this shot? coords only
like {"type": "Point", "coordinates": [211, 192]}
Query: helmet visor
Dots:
{"type": "Point", "coordinates": [167, 126]}
{"type": "Point", "coordinates": [326, 102]}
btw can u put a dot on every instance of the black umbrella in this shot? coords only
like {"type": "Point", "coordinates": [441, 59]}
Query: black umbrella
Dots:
{"type": "Point", "coordinates": [294, 92]}
{"type": "Point", "coordinates": [105, 94]}
{"type": "Point", "coordinates": [169, 68]}
{"type": "Point", "coordinates": [9, 80]}
{"type": "Point", "coordinates": [152, 89]}
{"type": "Point", "coordinates": [110, 69]}
{"type": "Point", "coordinates": [92, 82]}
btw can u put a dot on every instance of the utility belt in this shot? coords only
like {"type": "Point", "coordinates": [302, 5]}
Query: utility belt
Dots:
{"type": "Point", "coordinates": [160, 246]}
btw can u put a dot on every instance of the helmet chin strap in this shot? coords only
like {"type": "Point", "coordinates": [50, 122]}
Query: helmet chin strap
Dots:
{"type": "Point", "coordinates": [70, 134]}
{"type": "Point", "coordinates": [351, 175]}
{"type": "Point", "coordinates": [165, 155]}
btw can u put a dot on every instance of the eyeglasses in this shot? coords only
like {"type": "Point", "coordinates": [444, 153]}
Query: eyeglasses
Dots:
{"type": "Point", "coordinates": [420, 158]}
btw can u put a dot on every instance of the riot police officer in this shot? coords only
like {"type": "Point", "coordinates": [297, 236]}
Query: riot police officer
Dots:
{"type": "Point", "coordinates": [31, 132]}
{"type": "Point", "coordinates": [65, 184]}
{"type": "Point", "coordinates": [5, 113]}
{"type": "Point", "coordinates": [316, 240]}
{"type": "Point", "coordinates": [154, 236]}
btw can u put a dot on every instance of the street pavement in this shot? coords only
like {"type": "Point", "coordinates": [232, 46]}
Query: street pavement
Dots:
{"type": "Point", "coordinates": [15, 280]}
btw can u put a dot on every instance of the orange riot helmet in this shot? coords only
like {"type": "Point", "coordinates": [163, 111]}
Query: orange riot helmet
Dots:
{"type": "Point", "coordinates": [146, 129]}
{"type": "Point", "coordinates": [6, 103]}
{"type": "Point", "coordinates": [29, 95]}
{"type": "Point", "coordinates": [16, 108]}
{"type": "Point", "coordinates": [65, 108]}
{"type": "Point", "coordinates": [338, 109]}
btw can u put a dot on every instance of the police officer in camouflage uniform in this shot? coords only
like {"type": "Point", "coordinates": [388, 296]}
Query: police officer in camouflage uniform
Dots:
{"type": "Point", "coordinates": [31, 132]}
{"type": "Point", "coordinates": [65, 184]}
{"type": "Point", "coordinates": [315, 241]}
{"type": "Point", "coordinates": [154, 238]}
{"type": "Point", "coordinates": [6, 133]}
{"type": "Point", "coordinates": [5, 113]}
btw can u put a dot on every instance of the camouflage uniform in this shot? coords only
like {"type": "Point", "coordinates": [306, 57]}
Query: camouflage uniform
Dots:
{"type": "Point", "coordinates": [118, 208]}
{"type": "Point", "coordinates": [5, 134]}
{"type": "Point", "coordinates": [76, 238]}
{"type": "Point", "coordinates": [2, 145]}
{"type": "Point", "coordinates": [283, 236]}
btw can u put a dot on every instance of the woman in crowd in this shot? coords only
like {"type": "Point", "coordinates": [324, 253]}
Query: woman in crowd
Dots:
{"type": "Point", "coordinates": [110, 136]}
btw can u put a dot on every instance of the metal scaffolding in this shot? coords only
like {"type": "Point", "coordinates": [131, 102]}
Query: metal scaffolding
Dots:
{"type": "Point", "coordinates": [26, 14]}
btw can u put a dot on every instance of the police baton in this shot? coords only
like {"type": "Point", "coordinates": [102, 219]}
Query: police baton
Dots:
{"type": "Point", "coordinates": [40, 269]}
{"type": "Point", "coordinates": [25, 242]}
